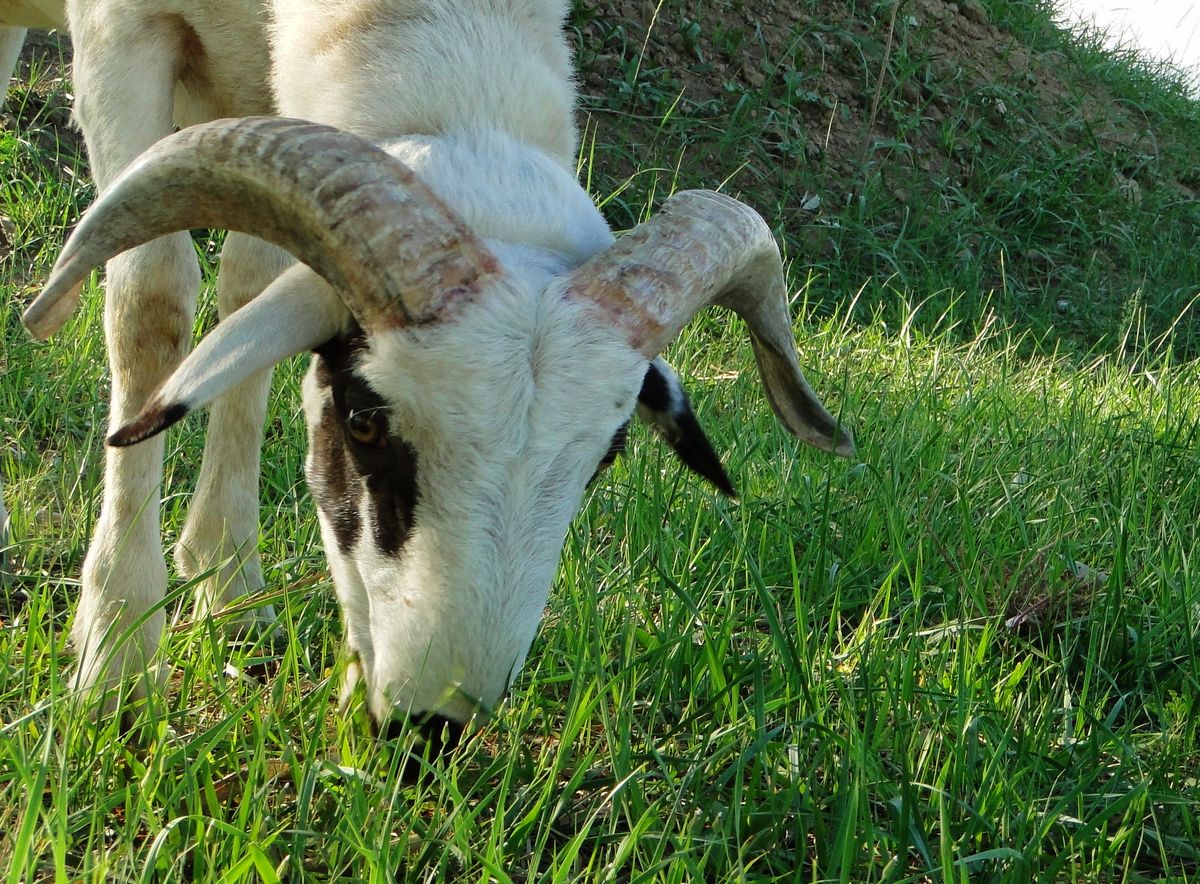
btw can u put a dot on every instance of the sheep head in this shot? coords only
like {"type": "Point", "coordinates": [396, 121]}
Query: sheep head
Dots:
{"type": "Point", "coordinates": [462, 394]}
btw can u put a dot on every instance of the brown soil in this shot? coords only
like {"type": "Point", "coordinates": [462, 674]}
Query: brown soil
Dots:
{"type": "Point", "coordinates": [45, 117]}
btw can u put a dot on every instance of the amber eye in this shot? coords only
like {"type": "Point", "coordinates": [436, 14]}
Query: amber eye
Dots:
{"type": "Point", "coordinates": [366, 429]}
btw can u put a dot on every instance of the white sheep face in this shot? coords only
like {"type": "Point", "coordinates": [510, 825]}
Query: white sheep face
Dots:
{"type": "Point", "coordinates": [447, 462]}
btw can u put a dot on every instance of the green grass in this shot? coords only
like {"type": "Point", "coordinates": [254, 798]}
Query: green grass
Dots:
{"type": "Point", "coordinates": [890, 669]}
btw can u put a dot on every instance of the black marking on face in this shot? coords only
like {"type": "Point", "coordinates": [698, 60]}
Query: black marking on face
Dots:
{"type": "Point", "coordinates": [664, 406]}
{"type": "Point", "coordinates": [330, 481]}
{"type": "Point", "coordinates": [393, 490]}
{"type": "Point", "coordinates": [354, 445]}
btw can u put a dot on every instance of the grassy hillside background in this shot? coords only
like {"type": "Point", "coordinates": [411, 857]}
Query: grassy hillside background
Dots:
{"type": "Point", "coordinates": [959, 150]}
{"type": "Point", "coordinates": [969, 655]}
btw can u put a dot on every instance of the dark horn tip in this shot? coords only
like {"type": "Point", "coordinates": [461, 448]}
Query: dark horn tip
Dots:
{"type": "Point", "coordinates": [153, 419]}
{"type": "Point", "coordinates": [721, 480]}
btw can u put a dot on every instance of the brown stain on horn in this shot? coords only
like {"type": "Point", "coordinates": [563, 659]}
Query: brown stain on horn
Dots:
{"type": "Point", "coordinates": [630, 301]}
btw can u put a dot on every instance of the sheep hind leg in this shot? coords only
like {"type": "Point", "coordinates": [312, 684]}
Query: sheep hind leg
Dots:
{"type": "Point", "coordinates": [124, 73]}
{"type": "Point", "coordinates": [219, 544]}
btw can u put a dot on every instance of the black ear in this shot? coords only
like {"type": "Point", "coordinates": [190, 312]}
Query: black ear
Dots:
{"type": "Point", "coordinates": [664, 407]}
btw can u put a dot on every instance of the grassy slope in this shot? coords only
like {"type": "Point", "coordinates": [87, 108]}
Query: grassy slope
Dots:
{"type": "Point", "coordinates": [909, 146]}
{"type": "Point", "coordinates": [816, 681]}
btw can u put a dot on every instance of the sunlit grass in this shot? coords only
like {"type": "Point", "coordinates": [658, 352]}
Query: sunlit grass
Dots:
{"type": "Point", "coordinates": [818, 677]}
{"type": "Point", "coordinates": [969, 654]}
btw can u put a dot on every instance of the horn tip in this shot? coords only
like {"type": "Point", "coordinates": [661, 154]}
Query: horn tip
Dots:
{"type": "Point", "coordinates": [153, 420]}
{"type": "Point", "coordinates": [843, 444]}
{"type": "Point", "coordinates": [52, 307]}
{"type": "Point", "coordinates": [37, 327]}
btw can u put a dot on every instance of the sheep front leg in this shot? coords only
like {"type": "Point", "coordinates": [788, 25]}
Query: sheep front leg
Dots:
{"type": "Point", "coordinates": [150, 296]}
{"type": "Point", "coordinates": [11, 41]}
{"type": "Point", "coordinates": [221, 535]}
{"type": "Point", "coordinates": [125, 80]}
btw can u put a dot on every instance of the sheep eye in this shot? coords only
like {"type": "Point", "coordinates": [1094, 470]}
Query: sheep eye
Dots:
{"type": "Point", "coordinates": [366, 429]}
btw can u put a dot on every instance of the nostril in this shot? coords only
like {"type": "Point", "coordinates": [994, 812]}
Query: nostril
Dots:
{"type": "Point", "coordinates": [394, 729]}
{"type": "Point", "coordinates": [436, 733]}
{"type": "Point", "coordinates": [440, 733]}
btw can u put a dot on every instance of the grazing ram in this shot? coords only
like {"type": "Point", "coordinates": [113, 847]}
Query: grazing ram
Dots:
{"type": "Point", "coordinates": [481, 341]}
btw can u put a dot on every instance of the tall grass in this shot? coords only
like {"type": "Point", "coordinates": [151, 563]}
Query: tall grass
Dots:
{"type": "Point", "coordinates": [970, 654]}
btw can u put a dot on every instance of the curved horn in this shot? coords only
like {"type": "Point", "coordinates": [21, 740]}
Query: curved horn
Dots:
{"type": "Point", "coordinates": [706, 248]}
{"type": "Point", "coordinates": [360, 218]}
{"type": "Point", "coordinates": [295, 313]}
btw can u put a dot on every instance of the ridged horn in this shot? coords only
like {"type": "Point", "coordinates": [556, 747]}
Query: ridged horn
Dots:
{"type": "Point", "coordinates": [394, 252]}
{"type": "Point", "coordinates": [706, 248]}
